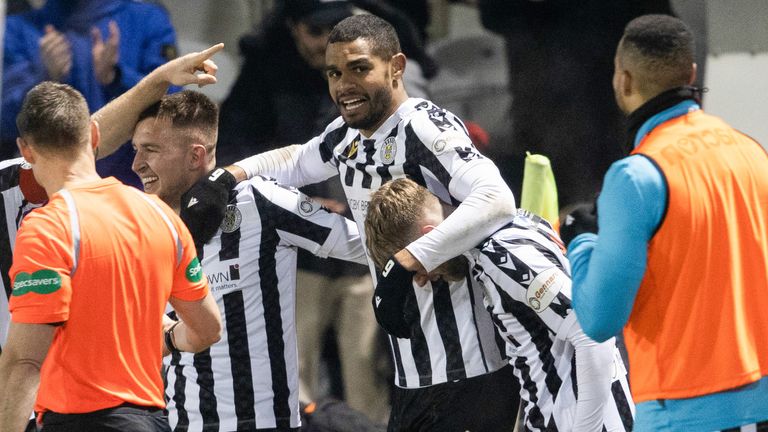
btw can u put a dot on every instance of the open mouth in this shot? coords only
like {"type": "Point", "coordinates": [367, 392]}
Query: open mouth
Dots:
{"type": "Point", "coordinates": [352, 104]}
{"type": "Point", "coordinates": [148, 181]}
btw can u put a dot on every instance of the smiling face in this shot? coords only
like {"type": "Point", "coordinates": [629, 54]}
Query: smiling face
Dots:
{"type": "Point", "coordinates": [364, 86]}
{"type": "Point", "coordinates": [164, 160]}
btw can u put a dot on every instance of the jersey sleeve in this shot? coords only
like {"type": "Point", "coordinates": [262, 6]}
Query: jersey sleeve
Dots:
{"type": "Point", "coordinates": [189, 281]}
{"type": "Point", "coordinates": [299, 165]}
{"type": "Point", "coordinates": [461, 176]}
{"type": "Point", "coordinates": [597, 365]}
{"type": "Point", "coordinates": [43, 262]}
{"type": "Point", "coordinates": [305, 223]}
{"type": "Point", "coordinates": [526, 279]}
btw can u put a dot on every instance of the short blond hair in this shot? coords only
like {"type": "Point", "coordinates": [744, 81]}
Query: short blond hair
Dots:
{"type": "Point", "coordinates": [391, 222]}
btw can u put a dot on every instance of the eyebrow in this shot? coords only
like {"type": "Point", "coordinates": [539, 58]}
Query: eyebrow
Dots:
{"type": "Point", "coordinates": [359, 62]}
{"type": "Point", "coordinates": [353, 63]}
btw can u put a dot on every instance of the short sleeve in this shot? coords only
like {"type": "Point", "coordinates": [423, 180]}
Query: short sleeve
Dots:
{"type": "Point", "coordinates": [42, 267]}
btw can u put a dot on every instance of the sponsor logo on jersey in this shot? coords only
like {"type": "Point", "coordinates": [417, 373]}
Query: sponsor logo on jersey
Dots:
{"type": "Point", "coordinates": [224, 280]}
{"type": "Point", "coordinates": [194, 271]}
{"type": "Point", "coordinates": [388, 150]}
{"type": "Point", "coordinates": [307, 207]}
{"type": "Point", "coordinates": [40, 282]}
{"type": "Point", "coordinates": [544, 288]}
{"type": "Point", "coordinates": [378, 300]}
{"type": "Point", "coordinates": [439, 146]}
{"type": "Point", "coordinates": [232, 219]}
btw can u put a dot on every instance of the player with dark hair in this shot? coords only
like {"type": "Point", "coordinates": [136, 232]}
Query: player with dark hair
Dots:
{"type": "Point", "coordinates": [681, 259]}
{"type": "Point", "coordinates": [450, 372]}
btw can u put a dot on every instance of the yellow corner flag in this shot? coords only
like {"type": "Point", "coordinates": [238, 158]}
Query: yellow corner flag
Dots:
{"type": "Point", "coordinates": [539, 194]}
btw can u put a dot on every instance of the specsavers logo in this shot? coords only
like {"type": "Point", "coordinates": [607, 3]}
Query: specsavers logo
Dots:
{"type": "Point", "coordinates": [40, 282]}
{"type": "Point", "coordinates": [194, 271]}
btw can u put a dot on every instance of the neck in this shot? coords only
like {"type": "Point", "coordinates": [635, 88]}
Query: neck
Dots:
{"type": "Point", "coordinates": [399, 96]}
{"type": "Point", "coordinates": [56, 173]}
{"type": "Point", "coordinates": [656, 104]}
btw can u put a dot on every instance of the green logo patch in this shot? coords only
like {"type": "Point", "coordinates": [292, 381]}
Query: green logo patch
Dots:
{"type": "Point", "coordinates": [40, 282]}
{"type": "Point", "coordinates": [194, 271]}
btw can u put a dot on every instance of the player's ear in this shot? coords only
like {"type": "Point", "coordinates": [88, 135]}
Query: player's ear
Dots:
{"type": "Point", "coordinates": [427, 228]}
{"type": "Point", "coordinates": [397, 66]}
{"type": "Point", "coordinates": [95, 134]}
{"type": "Point", "coordinates": [25, 150]}
{"type": "Point", "coordinates": [198, 157]}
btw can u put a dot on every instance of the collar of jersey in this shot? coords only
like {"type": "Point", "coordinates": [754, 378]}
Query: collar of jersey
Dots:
{"type": "Point", "coordinates": [402, 112]}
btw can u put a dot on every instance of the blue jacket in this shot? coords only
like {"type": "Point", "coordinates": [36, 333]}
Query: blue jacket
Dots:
{"type": "Point", "coordinates": [607, 270]}
{"type": "Point", "coordinates": [147, 40]}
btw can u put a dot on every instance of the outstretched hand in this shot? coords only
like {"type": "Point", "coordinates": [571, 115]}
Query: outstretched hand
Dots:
{"type": "Point", "coordinates": [193, 68]}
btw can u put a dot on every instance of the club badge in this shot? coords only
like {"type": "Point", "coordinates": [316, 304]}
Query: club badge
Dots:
{"type": "Point", "coordinates": [232, 219]}
{"type": "Point", "coordinates": [388, 150]}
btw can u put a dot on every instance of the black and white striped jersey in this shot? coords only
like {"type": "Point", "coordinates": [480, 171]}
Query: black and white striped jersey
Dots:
{"type": "Point", "coordinates": [454, 337]}
{"type": "Point", "coordinates": [13, 207]}
{"type": "Point", "coordinates": [527, 285]}
{"type": "Point", "coordinates": [249, 379]}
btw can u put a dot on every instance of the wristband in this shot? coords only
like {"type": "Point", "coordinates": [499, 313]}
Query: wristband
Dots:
{"type": "Point", "coordinates": [170, 340]}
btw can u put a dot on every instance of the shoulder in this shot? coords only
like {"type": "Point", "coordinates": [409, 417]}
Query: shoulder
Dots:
{"type": "Point", "coordinates": [634, 171]}
{"type": "Point", "coordinates": [436, 127]}
{"type": "Point", "coordinates": [50, 220]}
{"type": "Point", "coordinates": [335, 131]}
{"type": "Point", "coordinates": [261, 189]}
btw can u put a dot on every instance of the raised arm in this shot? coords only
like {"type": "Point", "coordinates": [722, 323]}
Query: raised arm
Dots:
{"type": "Point", "coordinates": [117, 119]}
{"type": "Point", "coordinates": [487, 205]}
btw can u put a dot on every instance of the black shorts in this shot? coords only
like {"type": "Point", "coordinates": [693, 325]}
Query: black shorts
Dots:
{"type": "Point", "coordinates": [486, 403]}
{"type": "Point", "coordinates": [123, 418]}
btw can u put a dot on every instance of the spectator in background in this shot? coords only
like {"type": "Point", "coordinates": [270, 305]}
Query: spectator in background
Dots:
{"type": "Point", "coordinates": [100, 47]}
{"type": "Point", "coordinates": [288, 102]}
{"type": "Point", "coordinates": [560, 64]}
{"type": "Point", "coordinates": [681, 258]}
{"type": "Point", "coordinates": [418, 11]}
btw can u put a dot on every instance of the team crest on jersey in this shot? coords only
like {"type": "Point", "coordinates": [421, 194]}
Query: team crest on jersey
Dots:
{"type": "Point", "coordinates": [544, 288]}
{"type": "Point", "coordinates": [232, 219]}
{"type": "Point", "coordinates": [307, 207]}
{"type": "Point", "coordinates": [388, 150]}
